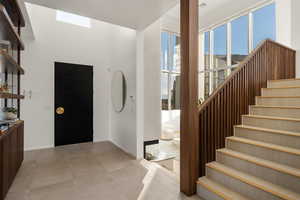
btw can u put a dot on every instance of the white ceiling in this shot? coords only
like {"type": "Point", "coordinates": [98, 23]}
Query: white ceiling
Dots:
{"type": "Point", "coordinates": [136, 14]}
{"type": "Point", "coordinates": [215, 11]}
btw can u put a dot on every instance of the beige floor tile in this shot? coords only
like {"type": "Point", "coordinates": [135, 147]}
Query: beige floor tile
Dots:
{"type": "Point", "coordinates": [17, 196]}
{"type": "Point", "coordinates": [60, 191]}
{"type": "Point", "coordinates": [87, 171]}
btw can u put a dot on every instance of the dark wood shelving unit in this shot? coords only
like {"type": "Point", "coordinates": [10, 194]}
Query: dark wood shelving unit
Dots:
{"type": "Point", "coordinates": [4, 95]}
{"type": "Point", "coordinates": [8, 32]}
{"type": "Point", "coordinates": [13, 9]}
{"type": "Point", "coordinates": [8, 64]}
{"type": "Point", "coordinates": [12, 137]}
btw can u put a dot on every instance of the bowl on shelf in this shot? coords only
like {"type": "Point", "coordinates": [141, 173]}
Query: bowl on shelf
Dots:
{"type": "Point", "coordinates": [8, 114]}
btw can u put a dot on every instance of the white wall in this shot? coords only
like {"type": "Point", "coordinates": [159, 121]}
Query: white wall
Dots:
{"type": "Point", "coordinates": [148, 121]}
{"type": "Point", "coordinates": [140, 92]}
{"type": "Point", "coordinates": [104, 46]}
{"type": "Point", "coordinates": [283, 22]}
{"type": "Point", "coordinates": [123, 124]}
{"type": "Point", "coordinates": [152, 109]}
{"type": "Point", "coordinates": [288, 27]}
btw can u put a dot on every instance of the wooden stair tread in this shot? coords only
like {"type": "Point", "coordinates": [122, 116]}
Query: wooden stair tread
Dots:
{"type": "Point", "coordinates": [288, 79]}
{"type": "Point", "coordinates": [284, 87]}
{"type": "Point", "coordinates": [255, 182]}
{"type": "Point", "coordinates": [261, 162]}
{"type": "Point", "coordinates": [278, 97]}
{"type": "Point", "coordinates": [266, 145]}
{"type": "Point", "coordinates": [274, 118]}
{"type": "Point", "coordinates": [219, 190]}
{"type": "Point", "coordinates": [281, 107]}
{"type": "Point", "coordinates": [282, 132]}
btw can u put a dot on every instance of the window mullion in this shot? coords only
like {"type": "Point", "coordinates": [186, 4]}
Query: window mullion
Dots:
{"type": "Point", "coordinates": [211, 61]}
{"type": "Point", "coordinates": [229, 47]}
{"type": "Point", "coordinates": [170, 64]}
{"type": "Point", "coordinates": [250, 32]}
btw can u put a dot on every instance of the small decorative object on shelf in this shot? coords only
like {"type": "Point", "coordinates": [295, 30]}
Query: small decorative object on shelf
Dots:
{"type": "Point", "coordinates": [8, 113]}
{"type": "Point", "coordinates": [4, 88]}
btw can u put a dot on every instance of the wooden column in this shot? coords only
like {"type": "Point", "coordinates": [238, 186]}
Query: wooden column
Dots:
{"type": "Point", "coordinates": [189, 119]}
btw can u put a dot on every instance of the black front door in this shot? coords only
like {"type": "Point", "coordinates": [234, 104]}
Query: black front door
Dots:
{"type": "Point", "coordinates": [73, 103]}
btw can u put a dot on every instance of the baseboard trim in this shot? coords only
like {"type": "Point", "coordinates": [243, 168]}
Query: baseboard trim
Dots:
{"type": "Point", "coordinates": [53, 146]}
{"type": "Point", "coordinates": [39, 148]}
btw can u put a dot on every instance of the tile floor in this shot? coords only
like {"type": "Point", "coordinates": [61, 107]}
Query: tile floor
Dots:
{"type": "Point", "coordinates": [98, 171]}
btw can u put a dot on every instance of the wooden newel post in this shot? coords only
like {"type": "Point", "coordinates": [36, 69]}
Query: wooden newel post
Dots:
{"type": "Point", "coordinates": [189, 120]}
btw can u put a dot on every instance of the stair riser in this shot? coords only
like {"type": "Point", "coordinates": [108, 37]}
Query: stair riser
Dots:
{"type": "Point", "coordinates": [286, 92]}
{"type": "Point", "coordinates": [273, 138]}
{"type": "Point", "coordinates": [278, 112]}
{"type": "Point", "coordinates": [265, 153]}
{"type": "Point", "coordinates": [265, 173]}
{"type": "Point", "coordinates": [286, 125]}
{"type": "Point", "coordinates": [278, 101]}
{"type": "Point", "coordinates": [238, 186]}
{"type": "Point", "coordinates": [289, 83]}
{"type": "Point", "coordinates": [206, 194]}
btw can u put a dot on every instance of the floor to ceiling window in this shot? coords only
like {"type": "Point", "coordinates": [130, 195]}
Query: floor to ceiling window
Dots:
{"type": "Point", "coordinates": [226, 46]}
{"type": "Point", "coordinates": [170, 71]}
{"type": "Point", "coordinates": [170, 85]}
{"type": "Point", "coordinates": [206, 75]}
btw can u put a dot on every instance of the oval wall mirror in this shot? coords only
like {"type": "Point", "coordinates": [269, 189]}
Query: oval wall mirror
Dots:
{"type": "Point", "coordinates": [118, 91]}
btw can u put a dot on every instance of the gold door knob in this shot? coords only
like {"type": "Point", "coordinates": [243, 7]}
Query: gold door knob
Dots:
{"type": "Point", "coordinates": [60, 110]}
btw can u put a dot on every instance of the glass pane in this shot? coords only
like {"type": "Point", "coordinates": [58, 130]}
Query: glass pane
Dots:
{"type": "Point", "coordinates": [164, 91]}
{"type": "Point", "coordinates": [206, 50]}
{"type": "Point", "coordinates": [221, 76]}
{"type": "Point", "coordinates": [239, 39]}
{"type": "Point", "coordinates": [201, 89]}
{"type": "Point", "coordinates": [176, 53]}
{"type": "Point", "coordinates": [3, 88]}
{"type": "Point", "coordinates": [206, 84]}
{"type": "Point", "coordinates": [264, 24]}
{"type": "Point", "coordinates": [220, 47]}
{"type": "Point", "coordinates": [164, 50]}
{"type": "Point", "coordinates": [73, 19]}
{"type": "Point", "coordinates": [175, 92]}
{"type": "Point", "coordinates": [220, 53]}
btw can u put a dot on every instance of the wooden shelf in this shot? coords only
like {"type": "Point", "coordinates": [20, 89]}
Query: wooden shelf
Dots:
{"type": "Point", "coordinates": [14, 11]}
{"type": "Point", "coordinates": [8, 64]}
{"type": "Point", "coordinates": [4, 95]}
{"type": "Point", "coordinates": [7, 31]}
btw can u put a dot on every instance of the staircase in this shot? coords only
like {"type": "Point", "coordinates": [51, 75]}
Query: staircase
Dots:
{"type": "Point", "coordinates": [262, 160]}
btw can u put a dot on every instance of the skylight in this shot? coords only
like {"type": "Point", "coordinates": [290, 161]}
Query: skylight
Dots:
{"type": "Point", "coordinates": [73, 19]}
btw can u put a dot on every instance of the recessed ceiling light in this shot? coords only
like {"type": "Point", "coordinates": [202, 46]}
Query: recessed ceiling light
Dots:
{"type": "Point", "coordinates": [202, 5]}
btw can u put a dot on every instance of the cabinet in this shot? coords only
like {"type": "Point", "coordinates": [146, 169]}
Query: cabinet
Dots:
{"type": "Point", "coordinates": [11, 155]}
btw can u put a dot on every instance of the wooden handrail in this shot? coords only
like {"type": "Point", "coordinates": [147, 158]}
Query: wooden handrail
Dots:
{"type": "Point", "coordinates": [224, 108]}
